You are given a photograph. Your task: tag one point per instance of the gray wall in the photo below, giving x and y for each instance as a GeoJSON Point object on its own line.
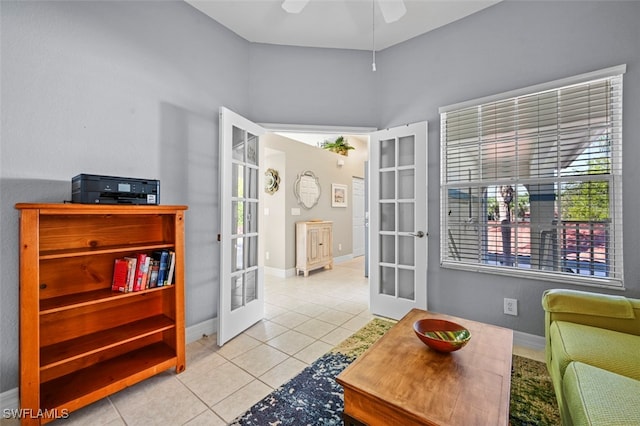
{"type": "Point", "coordinates": [504, 47]}
{"type": "Point", "coordinates": [296, 85]}
{"type": "Point", "coordinates": [116, 88]}
{"type": "Point", "coordinates": [133, 89]}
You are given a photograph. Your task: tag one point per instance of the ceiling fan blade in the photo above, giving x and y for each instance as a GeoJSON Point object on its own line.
{"type": "Point", "coordinates": [294, 6]}
{"type": "Point", "coordinates": [392, 10]}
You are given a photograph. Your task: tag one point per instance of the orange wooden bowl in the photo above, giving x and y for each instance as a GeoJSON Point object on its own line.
{"type": "Point", "coordinates": [441, 335]}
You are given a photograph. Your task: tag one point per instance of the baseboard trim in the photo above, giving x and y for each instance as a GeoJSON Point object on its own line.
{"type": "Point", "coordinates": [288, 273]}
{"type": "Point", "coordinates": [10, 400]}
{"type": "Point", "coordinates": [197, 331]}
{"type": "Point", "coordinates": [344, 258]}
{"type": "Point", "coordinates": [279, 273]}
{"type": "Point", "coordinates": [530, 341]}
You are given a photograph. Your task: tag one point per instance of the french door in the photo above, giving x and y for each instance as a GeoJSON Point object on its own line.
{"type": "Point", "coordinates": [398, 220]}
{"type": "Point", "coordinates": [241, 298]}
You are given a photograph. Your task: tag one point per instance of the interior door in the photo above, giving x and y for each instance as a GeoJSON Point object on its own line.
{"type": "Point", "coordinates": [398, 220]}
{"type": "Point", "coordinates": [241, 299]}
{"type": "Point", "coordinates": [357, 191]}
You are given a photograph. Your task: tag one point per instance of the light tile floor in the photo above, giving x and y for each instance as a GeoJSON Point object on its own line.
{"type": "Point", "coordinates": [305, 317]}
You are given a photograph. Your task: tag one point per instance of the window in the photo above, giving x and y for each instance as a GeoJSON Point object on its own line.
{"type": "Point", "coordinates": [531, 181]}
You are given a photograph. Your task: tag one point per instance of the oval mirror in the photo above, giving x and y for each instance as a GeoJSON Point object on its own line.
{"type": "Point", "coordinates": [307, 189]}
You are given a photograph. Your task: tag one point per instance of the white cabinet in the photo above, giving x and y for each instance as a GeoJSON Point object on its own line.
{"type": "Point", "coordinates": [314, 246]}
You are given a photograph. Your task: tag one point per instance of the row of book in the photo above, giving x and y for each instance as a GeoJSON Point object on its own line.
{"type": "Point", "coordinates": [142, 271]}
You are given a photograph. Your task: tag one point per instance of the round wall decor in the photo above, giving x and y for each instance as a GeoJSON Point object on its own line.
{"type": "Point", "coordinates": [271, 181]}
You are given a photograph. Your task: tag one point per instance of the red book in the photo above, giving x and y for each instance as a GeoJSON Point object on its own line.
{"type": "Point", "coordinates": [141, 273]}
{"type": "Point", "coordinates": [133, 271]}
{"type": "Point", "coordinates": [120, 275]}
{"type": "Point", "coordinates": [145, 273]}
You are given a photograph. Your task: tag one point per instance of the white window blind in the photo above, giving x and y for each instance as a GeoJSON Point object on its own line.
{"type": "Point", "coordinates": [531, 184]}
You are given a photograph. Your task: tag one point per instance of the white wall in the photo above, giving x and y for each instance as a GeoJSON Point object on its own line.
{"type": "Point", "coordinates": [273, 224]}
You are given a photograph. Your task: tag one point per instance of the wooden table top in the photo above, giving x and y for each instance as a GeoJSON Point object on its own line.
{"type": "Point", "coordinates": [399, 380]}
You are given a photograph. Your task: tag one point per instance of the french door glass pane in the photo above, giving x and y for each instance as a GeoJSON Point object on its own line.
{"type": "Point", "coordinates": [237, 217]}
{"type": "Point", "coordinates": [406, 181]}
{"type": "Point", "coordinates": [238, 143]}
{"type": "Point", "coordinates": [387, 249]}
{"type": "Point", "coordinates": [251, 287]}
{"type": "Point", "coordinates": [237, 185]}
{"type": "Point", "coordinates": [406, 151]}
{"type": "Point", "coordinates": [252, 149]}
{"type": "Point", "coordinates": [406, 219]}
{"type": "Point", "coordinates": [252, 182]}
{"type": "Point", "coordinates": [388, 217]}
{"type": "Point", "coordinates": [406, 251]}
{"type": "Point", "coordinates": [406, 288]}
{"type": "Point", "coordinates": [388, 185]}
{"type": "Point", "coordinates": [252, 217]}
{"type": "Point", "coordinates": [387, 281]}
{"type": "Point", "coordinates": [387, 153]}
{"type": "Point", "coordinates": [237, 254]}
{"type": "Point", "coordinates": [251, 250]}
{"type": "Point", "coordinates": [237, 292]}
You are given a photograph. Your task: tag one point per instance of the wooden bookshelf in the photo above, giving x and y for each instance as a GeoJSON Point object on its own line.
{"type": "Point", "coordinates": [79, 340]}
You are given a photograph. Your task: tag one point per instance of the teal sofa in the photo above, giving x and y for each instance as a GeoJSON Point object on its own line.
{"type": "Point", "coordinates": [593, 356]}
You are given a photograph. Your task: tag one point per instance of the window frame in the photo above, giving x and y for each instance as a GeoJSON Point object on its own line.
{"type": "Point", "coordinates": [614, 177]}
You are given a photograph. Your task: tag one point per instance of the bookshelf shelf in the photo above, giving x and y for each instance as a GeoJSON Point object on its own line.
{"type": "Point", "coordinates": [90, 384]}
{"type": "Point", "coordinates": [73, 349]}
{"type": "Point", "coordinates": [92, 251]}
{"type": "Point", "coordinates": [94, 297]}
{"type": "Point", "coordinates": [79, 340]}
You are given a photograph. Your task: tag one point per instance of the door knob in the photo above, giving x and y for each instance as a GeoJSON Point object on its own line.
{"type": "Point", "coordinates": [418, 234]}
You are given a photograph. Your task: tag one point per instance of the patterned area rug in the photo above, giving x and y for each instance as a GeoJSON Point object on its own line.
{"type": "Point", "coordinates": [314, 398]}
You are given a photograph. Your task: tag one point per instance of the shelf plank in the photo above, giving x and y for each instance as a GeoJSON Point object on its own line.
{"type": "Point", "coordinates": [77, 208]}
{"type": "Point", "coordinates": [90, 384]}
{"type": "Point", "coordinates": [89, 251]}
{"type": "Point", "coordinates": [72, 301]}
{"type": "Point", "coordinates": [70, 350]}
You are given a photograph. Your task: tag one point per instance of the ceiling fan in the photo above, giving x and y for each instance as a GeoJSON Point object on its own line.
{"type": "Point", "coordinates": [392, 10]}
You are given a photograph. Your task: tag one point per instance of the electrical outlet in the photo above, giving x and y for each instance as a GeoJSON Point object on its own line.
{"type": "Point", "coordinates": [339, 247]}
{"type": "Point", "coordinates": [266, 255]}
{"type": "Point", "coordinates": [511, 306]}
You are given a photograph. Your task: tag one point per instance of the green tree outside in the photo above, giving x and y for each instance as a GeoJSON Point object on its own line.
{"type": "Point", "coordinates": [588, 200]}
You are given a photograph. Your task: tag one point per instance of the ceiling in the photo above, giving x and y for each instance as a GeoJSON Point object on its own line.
{"type": "Point", "coordinates": [344, 24]}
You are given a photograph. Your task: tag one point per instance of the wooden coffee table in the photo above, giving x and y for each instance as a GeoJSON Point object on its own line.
{"type": "Point", "coordinates": [400, 381]}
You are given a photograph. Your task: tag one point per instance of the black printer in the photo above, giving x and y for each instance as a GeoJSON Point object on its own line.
{"type": "Point", "coordinates": [96, 189]}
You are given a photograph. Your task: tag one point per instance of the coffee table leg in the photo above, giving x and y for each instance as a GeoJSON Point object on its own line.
{"type": "Point", "coordinates": [350, 421]}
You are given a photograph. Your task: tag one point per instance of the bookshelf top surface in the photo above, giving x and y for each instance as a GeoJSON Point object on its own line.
{"type": "Point", "coordinates": [99, 208]}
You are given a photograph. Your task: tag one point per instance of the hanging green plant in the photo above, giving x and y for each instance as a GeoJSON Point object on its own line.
{"type": "Point", "coordinates": [339, 146]}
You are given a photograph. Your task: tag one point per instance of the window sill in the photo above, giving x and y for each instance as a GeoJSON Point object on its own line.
{"type": "Point", "coordinates": [551, 276]}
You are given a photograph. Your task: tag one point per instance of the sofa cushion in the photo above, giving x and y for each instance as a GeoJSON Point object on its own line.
{"type": "Point", "coordinates": [598, 397]}
{"type": "Point", "coordinates": [606, 349]}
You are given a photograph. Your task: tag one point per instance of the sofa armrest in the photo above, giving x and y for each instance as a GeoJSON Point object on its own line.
{"type": "Point", "coordinates": [585, 303]}
{"type": "Point", "coordinates": [610, 312]}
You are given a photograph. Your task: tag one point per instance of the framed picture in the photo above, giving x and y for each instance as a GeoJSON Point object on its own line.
{"type": "Point", "coordinates": [338, 195]}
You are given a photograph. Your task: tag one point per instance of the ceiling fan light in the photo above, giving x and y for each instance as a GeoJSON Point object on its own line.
{"type": "Point", "coordinates": [392, 10]}
{"type": "Point", "coordinates": [294, 6]}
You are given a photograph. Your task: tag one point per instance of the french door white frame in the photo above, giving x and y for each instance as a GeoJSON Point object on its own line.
{"type": "Point", "coordinates": [241, 297]}
{"type": "Point", "coordinates": [398, 220]}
